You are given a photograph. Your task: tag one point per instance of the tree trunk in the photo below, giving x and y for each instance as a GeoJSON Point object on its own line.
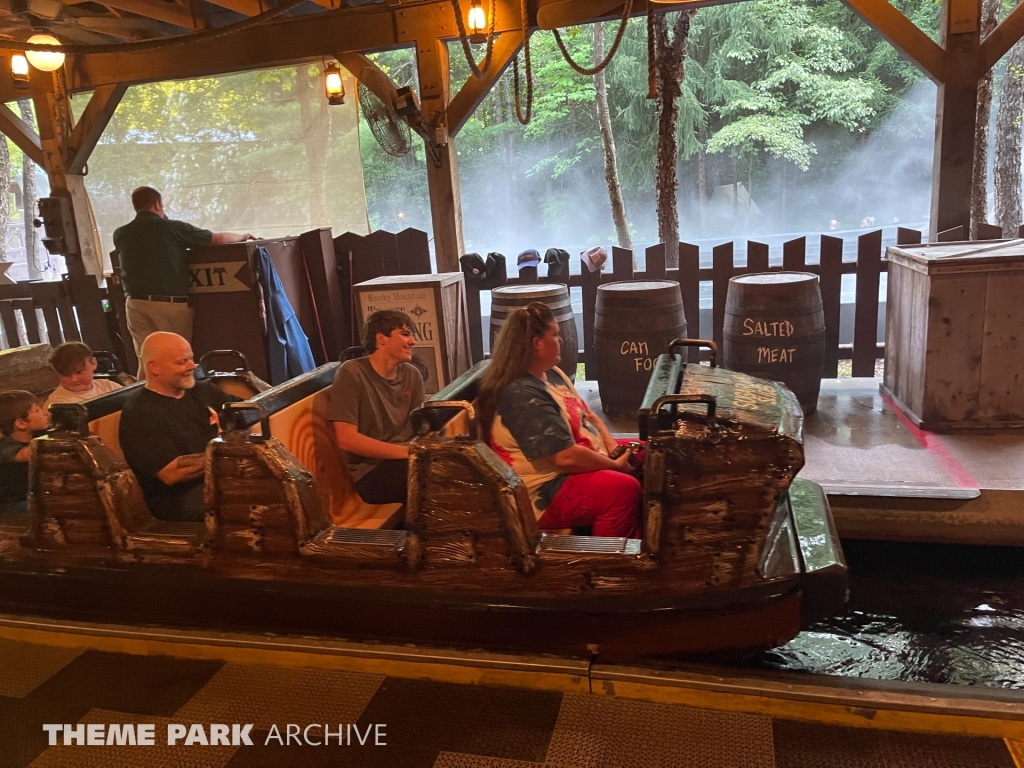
{"type": "Point", "coordinates": [669, 58]}
{"type": "Point", "coordinates": [28, 189]}
{"type": "Point", "coordinates": [979, 182]}
{"type": "Point", "coordinates": [313, 111]}
{"type": "Point", "coordinates": [702, 180]}
{"type": "Point", "coordinates": [611, 166]}
{"type": "Point", "coordinates": [1006, 168]}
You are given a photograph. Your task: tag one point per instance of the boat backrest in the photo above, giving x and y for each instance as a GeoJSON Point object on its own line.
{"type": "Point", "coordinates": [466, 505]}
{"type": "Point", "coordinates": [262, 500]}
{"type": "Point", "coordinates": [82, 494]}
{"type": "Point", "coordinates": [722, 450]}
{"type": "Point", "coordinates": [262, 492]}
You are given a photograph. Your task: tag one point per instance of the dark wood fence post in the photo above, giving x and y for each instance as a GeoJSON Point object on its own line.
{"type": "Point", "coordinates": [689, 282]}
{"type": "Point", "coordinates": [589, 283]}
{"type": "Point", "coordinates": [794, 255]}
{"type": "Point", "coordinates": [831, 284]}
{"type": "Point", "coordinates": [989, 232]}
{"type": "Point", "coordinates": [722, 269]}
{"type": "Point", "coordinates": [757, 257]}
{"type": "Point", "coordinates": [476, 339]}
{"type": "Point", "coordinates": [655, 258]}
{"type": "Point", "coordinates": [865, 328]}
{"type": "Point", "coordinates": [906, 236]}
{"type": "Point", "coordinates": [622, 264]}
{"type": "Point", "coordinates": [413, 252]}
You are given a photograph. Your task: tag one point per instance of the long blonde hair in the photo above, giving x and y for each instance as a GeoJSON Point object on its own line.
{"type": "Point", "coordinates": [511, 358]}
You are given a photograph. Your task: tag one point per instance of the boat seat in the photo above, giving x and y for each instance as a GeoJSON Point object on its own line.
{"type": "Point", "coordinates": [167, 537]}
{"type": "Point", "coordinates": [466, 505]}
{"type": "Point", "coordinates": [381, 545]}
{"type": "Point", "coordinates": [324, 458]}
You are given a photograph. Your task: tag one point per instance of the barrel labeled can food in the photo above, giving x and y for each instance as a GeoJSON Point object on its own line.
{"type": "Point", "coordinates": [556, 296]}
{"type": "Point", "coordinates": [775, 329]}
{"type": "Point", "coordinates": [634, 322]}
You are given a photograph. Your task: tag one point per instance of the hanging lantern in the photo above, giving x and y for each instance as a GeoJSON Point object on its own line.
{"type": "Point", "coordinates": [45, 61]}
{"type": "Point", "coordinates": [334, 86]}
{"type": "Point", "coordinates": [19, 70]}
{"type": "Point", "coordinates": [477, 22]}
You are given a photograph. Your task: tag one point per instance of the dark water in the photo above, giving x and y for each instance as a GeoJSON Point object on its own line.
{"type": "Point", "coordinates": [921, 613]}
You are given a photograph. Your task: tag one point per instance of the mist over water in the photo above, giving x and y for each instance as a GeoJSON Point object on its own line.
{"type": "Point", "coordinates": [510, 201]}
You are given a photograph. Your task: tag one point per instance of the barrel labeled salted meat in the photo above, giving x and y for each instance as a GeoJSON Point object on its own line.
{"type": "Point", "coordinates": [775, 329]}
{"type": "Point", "coordinates": [634, 322]}
{"type": "Point", "coordinates": [556, 296]}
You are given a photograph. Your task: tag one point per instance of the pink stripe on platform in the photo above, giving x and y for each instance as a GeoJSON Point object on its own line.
{"type": "Point", "coordinates": [947, 462]}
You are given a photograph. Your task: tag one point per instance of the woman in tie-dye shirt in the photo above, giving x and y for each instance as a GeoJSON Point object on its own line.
{"type": "Point", "coordinates": [534, 419]}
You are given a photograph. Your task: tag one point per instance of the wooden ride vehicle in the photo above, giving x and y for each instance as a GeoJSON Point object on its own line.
{"type": "Point", "coordinates": [735, 555]}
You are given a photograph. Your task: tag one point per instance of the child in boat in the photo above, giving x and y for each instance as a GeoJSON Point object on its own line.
{"type": "Point", "coordinates": [75, 365]}
{"type": "Point", "coordinates": [21, 418]}
{"type": "Point", "coordinates": [535, 420]}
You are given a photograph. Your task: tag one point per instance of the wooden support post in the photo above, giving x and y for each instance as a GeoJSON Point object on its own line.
{"type": "Point", "coordinates": [53, 114]}
{"type": "Point", "coordinates": [956, 116]}
{"type": "Point", "coordinates": [443, 179]}
{"type": "Point", "coordinates": [94, 120]}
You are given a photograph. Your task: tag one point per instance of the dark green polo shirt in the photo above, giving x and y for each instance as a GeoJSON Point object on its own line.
{"type": "Point", "coordinates": [152, 253]}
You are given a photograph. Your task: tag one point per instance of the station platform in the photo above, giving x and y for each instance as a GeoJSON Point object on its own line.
{"type": "Point", "coordinates": [887, 479]}
{"type": "Point", "coordinates": [452, 709]}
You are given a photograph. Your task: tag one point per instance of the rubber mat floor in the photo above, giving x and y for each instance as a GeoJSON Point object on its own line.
{"type": "Point", "coordinates": [402, 723]}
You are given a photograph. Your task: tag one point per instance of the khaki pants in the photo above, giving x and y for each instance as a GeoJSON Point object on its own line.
{"type": "Point", "coordinates": [146, 317]}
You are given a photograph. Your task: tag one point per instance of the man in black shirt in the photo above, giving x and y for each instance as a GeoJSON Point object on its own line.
{"type": "Point", "coordinates": [154, 268]}
{"type": "Point", "coordinates": [165, 428]}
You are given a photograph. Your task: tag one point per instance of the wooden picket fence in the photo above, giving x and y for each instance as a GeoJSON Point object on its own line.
{"type": "Point", "coordinates": [830, 268]}
{"type": "Point", "coordinates": [52, 313]}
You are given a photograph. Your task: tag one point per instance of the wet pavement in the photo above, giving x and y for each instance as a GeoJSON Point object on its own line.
{"type": "Point", "coordinates": [921, 613]}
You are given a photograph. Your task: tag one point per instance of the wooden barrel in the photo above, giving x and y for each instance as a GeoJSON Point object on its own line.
{"type": "Point", "coordinates": [556, 296]}
{"type": "Point", "coordinates": [634, 322]}
{"type": "Point", "coordinates": [775, 329]}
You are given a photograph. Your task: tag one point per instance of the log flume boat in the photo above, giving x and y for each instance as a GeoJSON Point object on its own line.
{"type": "Point", "coordinates": [737, 554]}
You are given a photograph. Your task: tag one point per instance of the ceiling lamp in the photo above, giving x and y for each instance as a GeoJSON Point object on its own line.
{"type": "Point", "coordinates": [45, 60]}
{"type": "Point", "coordinates": [19, 70]}
{"type": "Point", "coordinates": [334, 86]}
{"type": "Point", "coordinates": [477, 22]}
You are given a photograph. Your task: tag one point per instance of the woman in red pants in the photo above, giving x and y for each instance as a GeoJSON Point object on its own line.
{"type": "Point", "coordinates": [533, 418]}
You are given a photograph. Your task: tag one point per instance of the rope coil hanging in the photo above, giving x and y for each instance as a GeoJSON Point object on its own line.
{"type": "Point", "coordinates": [479, 72]}
{"type": "Point", "coordinates": [529, 72]}
{"type": "Point", "coordinates": [590, 71]}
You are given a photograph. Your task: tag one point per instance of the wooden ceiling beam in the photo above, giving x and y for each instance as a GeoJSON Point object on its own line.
{"type": "Point", "coordinates": [90, 126]}
{"type": "Point", "coordinates": [157, 9]}
{"type": "Point", "coordinates": [380, 86]}
{"type": "Point", "coordinates": [21, 133]}
{"type": "Point", "coordinates": [1002, 39]}
{"type": "Point", "coordinates": [465, 102]}
{"type": "Point", "coordinates": [903, 35]}
{"type": "Point", "coordinates": [244, 7]}
{"type": "Point", "coordinates": [281, 43]}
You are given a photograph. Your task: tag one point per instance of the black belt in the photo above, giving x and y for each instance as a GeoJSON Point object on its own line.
{"type": "Point", "coordinates": [169, 299]}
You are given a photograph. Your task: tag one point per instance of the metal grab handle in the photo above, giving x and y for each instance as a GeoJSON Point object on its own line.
{"type": "Point", "coordinates": [708, 400]}
{"type": "Point", "coordinates": [422, 423]}
{"type": "Point", "coordinates": [696, 343]}
{"type": "Point", "coordinates": [246, 406]}
{"type": "Point", "coordinates": [223, 353]}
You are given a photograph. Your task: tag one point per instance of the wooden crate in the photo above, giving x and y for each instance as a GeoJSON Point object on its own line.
{"type": "Point", "coordinates": [955, 334]}
{"type": "Point", "coordinates": [437, 306]}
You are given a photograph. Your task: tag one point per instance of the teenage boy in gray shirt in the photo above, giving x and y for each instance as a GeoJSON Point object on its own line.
{"type": "Point", "coordinates": [371, 401]}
